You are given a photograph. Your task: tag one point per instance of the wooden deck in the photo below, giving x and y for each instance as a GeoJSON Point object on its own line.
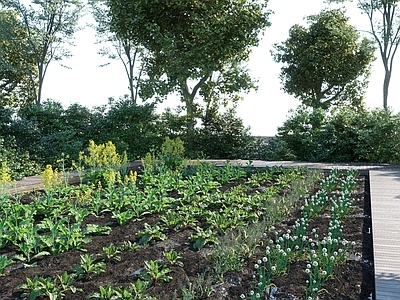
{"type": "Point", "coordinates": [385, 205]}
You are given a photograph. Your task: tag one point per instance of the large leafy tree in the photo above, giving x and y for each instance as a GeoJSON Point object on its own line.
{"type": "Point", "coordinates": [327, 63]}
{"type": "Point", "coordinates": [122, 47]}
{"type": "Point", "coordinates": [50, 26]}
{"type": "Point", "coordinates": [16, 61]}
{"type": "Point", "coordinates": [384, 19]}
{"type": "Point", "coordinates": [192, 43]}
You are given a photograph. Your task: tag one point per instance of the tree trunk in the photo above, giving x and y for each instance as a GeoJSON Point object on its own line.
{"type": "Point", "coordinates": [386, 82]}
{"type": "Point", "coordinates": [38, 99]}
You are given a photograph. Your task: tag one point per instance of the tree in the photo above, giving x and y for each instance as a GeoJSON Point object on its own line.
{"type": "Point", "coordinates": [125, 49]}
{"type": "Point", "coordinates": [326, 63]}
{"type": "Point", "coordinates": [16, 62]}
{"type": "Point", "coordinates": [50, 24]}
{"type": "Point", "coordinates": [191, 42]}
{"type": "Point", "coordinates": [384, 19]}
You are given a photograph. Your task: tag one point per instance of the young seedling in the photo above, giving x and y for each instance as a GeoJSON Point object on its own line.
{"type": "Point", "coordinates": [111, 253]}
{"type": "Point", "coordinates": [151, 233]}
{"type": "Point", "coordinates": [89, 267]}
{"type": "Point", "coordinates": [173, 257]}
{"type": "Point", "coordinates": [155, 272]}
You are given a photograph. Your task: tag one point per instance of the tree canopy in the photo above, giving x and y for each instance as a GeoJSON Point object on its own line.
{"type": "Point", "coordinates": [384, 19]}
{"type": "Point", "coordinates": [50, 25]}
{"type": "Point", "coordinates": [16, 62]}
{"type": "Point", "coordinates": [327, 63]}
{"type": "Point", "coordinates": [189, 43]}
{"type": "Point", "coordinates": [122, 47]}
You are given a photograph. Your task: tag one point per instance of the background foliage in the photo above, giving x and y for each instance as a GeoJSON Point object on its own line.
{"type": "Point", "coordinates": [338, 135]}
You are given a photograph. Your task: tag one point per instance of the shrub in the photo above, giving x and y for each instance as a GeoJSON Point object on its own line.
{"type": "Point", "coordinates": [340, 135]}
{"type": "Point", "coordinates": [220, 135]}
{"type": "Point", "coordinates": [131, 127]}
{"type": "Point", "coordinates": [17, 161]}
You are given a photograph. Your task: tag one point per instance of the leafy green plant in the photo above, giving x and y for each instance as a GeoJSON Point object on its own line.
{"type": "Point", "coordinates": [202, 237]}
{"type": "Point", "coordinates": [137, 291]}
{"type": "Point", "coordinates": [4, 263]}
{"type": "Point", "coordinates": [172, 154]}
{"type": "Point", "coordinates": [128, 246]}
{"type": "Point", "coordinates": [151, 233]}
{"type": "Point", "coordinates": [173, 257]}
{"type": "Point", "coordinates": [89, 266]}
{"type": "Point", "coordinates": [155, 272]}
{"type": "Point", "coordinates": [30, 244]}
{"type": "Point", "coordinates": [123, 217]}
{"type": "Point", "coordinates": [111, 253]}
{"type": "Point", "coordinates": [52, 288]}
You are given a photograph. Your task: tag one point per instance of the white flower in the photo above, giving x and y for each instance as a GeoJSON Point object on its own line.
{"type": "Point", "coordinates": [315, 263]}
{"type": "Point", "coordinates": [242, 296]}
{"type": "Point", "coordinates": [264, 259]}
{"type": "Point", "coordinates": [256, 266]}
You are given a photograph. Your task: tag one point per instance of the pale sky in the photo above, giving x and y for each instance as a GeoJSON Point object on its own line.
{"type": "Point", "coordinates": [264, 111]}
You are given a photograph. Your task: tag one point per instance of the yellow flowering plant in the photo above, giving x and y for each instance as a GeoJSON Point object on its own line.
{"type": "Point", "coordinates": [50, 178]}
{"type": "Point", "coordinates": [104, 163]}
{"type": "Point", "coordinates": [5, 174]}
{"type": "Point", "coordinates": [5, 178]}
{"type": "Point", "coordinates": [172, 154]}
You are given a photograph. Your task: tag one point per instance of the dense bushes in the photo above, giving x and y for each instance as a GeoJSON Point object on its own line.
{"type": "Point", "coordinates": [220, 135]}
{"type": "Point", "coordinates": [37, 135]}
{"type": "Point", "coordinates": [46, 133]}
{"type": "Point", "coordinates": [339, 135]}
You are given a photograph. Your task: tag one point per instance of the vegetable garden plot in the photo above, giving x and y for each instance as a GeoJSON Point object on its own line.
{"type": "Point", "coordinates": [192, 234]}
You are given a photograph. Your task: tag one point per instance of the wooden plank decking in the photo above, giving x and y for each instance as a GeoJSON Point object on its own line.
{"type": "Point", "coordinates": [385, 205]}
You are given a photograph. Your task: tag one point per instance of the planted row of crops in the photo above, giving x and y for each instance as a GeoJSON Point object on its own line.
{"type": "Point", "coordinates": [208, 200]}
{"type": "Point", "coordinates": [321, 252]}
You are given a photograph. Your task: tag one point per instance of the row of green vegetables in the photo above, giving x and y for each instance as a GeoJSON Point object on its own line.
{"type": "Point", "coordinates": [192, 197]}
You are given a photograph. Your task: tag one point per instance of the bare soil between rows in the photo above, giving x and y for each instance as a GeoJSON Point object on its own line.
{"type": "Point", "coordinates": [353, 280]}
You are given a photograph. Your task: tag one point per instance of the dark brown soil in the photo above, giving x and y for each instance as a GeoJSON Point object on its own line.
{"type": "Point", "coordinates": [353, 280]}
